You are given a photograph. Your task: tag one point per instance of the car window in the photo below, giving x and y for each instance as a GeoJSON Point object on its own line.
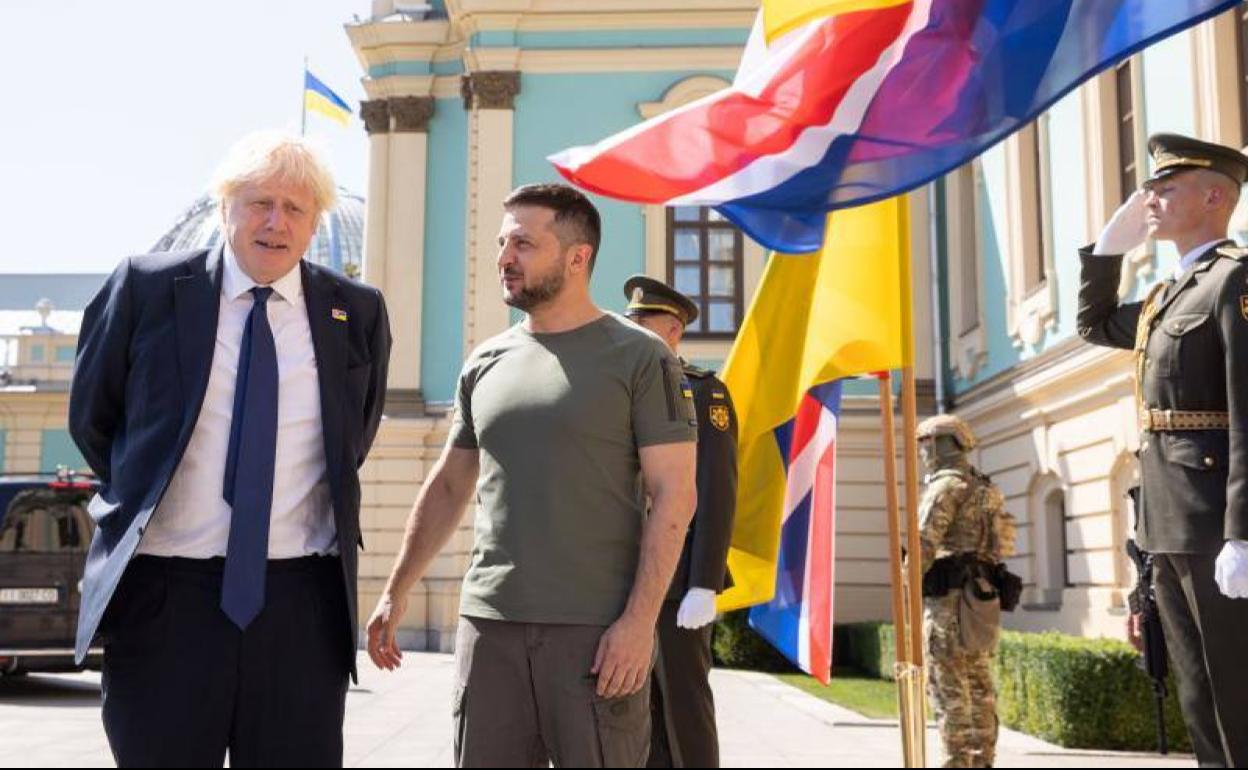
{"type": "Point", "coordinates": [39, 522]}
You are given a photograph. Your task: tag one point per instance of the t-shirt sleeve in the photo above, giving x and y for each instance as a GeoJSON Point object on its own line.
{"type": "Point", "coordinates": [463, 433]}
{"type": "Point", "coordinates": [663, 410]}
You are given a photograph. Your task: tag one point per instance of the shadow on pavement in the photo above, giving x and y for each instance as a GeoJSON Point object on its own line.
{"type": "Point", "coordinates": [46, 690]}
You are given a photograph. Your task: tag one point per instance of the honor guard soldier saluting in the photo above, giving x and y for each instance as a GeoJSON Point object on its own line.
{"type": "Point", "coordinates": [1190, 337]}
{"type": "Point", "coordinates": [682, 697]}
{"type": "Point", "coordinates": [965, 534]}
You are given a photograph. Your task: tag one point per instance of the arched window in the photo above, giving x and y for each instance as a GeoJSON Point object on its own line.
{"type": "Point", "coordinates": [1058, 550]}
{"type": "Point", "coordinates": [1051, 551]}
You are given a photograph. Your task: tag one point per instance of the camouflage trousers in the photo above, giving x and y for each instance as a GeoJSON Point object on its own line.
{"type": "Point", "coordinates": [960, 688]}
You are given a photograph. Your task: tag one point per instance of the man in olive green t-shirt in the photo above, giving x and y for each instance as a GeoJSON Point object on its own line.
{"type": "Point", "coordinates": [564, 425]}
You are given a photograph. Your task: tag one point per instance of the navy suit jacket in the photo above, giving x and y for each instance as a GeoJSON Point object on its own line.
{"type": "Point", "coordinates": [144, 355]}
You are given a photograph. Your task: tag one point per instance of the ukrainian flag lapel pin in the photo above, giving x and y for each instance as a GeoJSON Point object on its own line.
{"type": "Point", "coordinates": [338, 314]}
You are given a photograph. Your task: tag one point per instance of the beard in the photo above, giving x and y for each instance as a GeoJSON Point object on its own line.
{"type": "Point", "coordinates": [543, 289]}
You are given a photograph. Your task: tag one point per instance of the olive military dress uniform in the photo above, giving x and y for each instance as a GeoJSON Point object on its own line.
{"type": "Point", "coordinates": [681, 697]}
{"type": "Point", "coordinates": [1190, 339]}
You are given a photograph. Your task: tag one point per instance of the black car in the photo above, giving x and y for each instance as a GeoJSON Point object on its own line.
{"type": "Point", "coordinates": [44, 534]}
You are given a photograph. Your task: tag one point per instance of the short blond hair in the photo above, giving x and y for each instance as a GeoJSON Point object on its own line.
{"type": "Point", "coordinates": [275, 155]}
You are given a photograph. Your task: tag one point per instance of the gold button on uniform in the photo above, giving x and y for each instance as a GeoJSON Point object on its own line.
{"type": "Point", "coordinates": [1208, 462]}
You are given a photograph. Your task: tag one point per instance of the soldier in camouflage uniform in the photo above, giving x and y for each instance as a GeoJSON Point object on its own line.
{"type": "Point", "coordinates": [964, 531]}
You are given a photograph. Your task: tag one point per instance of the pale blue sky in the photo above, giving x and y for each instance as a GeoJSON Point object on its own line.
{"type": "Point", "coordinates": [115, 113]}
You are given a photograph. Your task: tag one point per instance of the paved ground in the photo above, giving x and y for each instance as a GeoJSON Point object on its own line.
{"type": "Point", "coordinates": [403, 720]}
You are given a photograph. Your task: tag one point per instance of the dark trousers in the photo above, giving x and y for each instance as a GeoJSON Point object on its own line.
{"type": "Point", "coordinates": [681, 699]}
{"type": "Point", "coordinates": [183, 685]}
{"type": "Point", "coordinates": [1207, 637]}
{"type": "Point", "coordinates": [525, 697]}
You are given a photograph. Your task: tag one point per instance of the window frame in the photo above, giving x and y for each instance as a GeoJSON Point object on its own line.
{"type": "Point", "coordinates": [704, 226]}
{"type": "Point", "coordinates": [1031, 309]}
{"type": "Point", "coordinates": [964, 251]}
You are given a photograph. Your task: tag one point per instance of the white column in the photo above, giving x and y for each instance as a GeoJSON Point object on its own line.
{"type": "Point", "coordinates": [491, 97]}
{"type": "Point", "coordinates": [376, 114]}
{"type": "Point", "coordinates": [405, 246]}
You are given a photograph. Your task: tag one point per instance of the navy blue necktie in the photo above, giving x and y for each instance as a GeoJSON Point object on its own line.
{"type": "Point", "coordinates": [249, 466]}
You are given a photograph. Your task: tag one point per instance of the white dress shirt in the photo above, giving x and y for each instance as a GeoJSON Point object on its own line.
{"type": "Point", "coordinates": [1189, 259]}
{"type": "Point", "coordinates": [193, 519]}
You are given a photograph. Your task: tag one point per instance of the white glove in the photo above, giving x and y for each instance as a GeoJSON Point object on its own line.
{"type": "Point", "coordinates": [1231, 569]}
{"type": "Point", "coordinates": [1127, 228]}
{"type": "Point", "coordinates": [696, 609]}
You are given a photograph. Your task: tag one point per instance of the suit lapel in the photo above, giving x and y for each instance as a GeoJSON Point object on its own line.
{"type": "Point", "coordinates": [1202, 265]}
{"type": "Point", "coordinates": [329, 341]}
{"type": "Point", "coordinates": [197, 305]}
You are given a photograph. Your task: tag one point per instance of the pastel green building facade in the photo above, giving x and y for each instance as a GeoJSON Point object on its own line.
{"type": "Point", "coordinates": [466, 102]}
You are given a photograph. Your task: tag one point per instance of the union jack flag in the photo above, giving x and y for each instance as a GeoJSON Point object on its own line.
{"type": "Point", "coordinates": [798, 621]}
{"type": "Point", "coordinates": [867, 104]}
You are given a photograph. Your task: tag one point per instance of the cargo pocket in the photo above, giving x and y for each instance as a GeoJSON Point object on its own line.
{"type": "Point", "coordinates": [624, 729]}
{"type": "Point", "coordinates": [1183, 342]}
{"type": "Point", "coordinates": [979, 616]}
{"type": "Point", "coordinates": [1202, 451]}
{"type": "Point", "coordinates": [1198, 462]}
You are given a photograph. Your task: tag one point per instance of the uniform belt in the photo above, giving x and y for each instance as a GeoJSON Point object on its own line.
{"type": "Point", "coordinates": [1173, 419]}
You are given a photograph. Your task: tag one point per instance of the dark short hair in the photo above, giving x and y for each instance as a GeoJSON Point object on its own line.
{"type": "Point", "coordinates": [576, 218]}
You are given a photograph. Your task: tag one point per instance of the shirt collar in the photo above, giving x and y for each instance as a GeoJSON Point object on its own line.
{"type": "Point", "coordinates": [235, 283]}
{"type": "Point", "coordinates": [1189, 259]}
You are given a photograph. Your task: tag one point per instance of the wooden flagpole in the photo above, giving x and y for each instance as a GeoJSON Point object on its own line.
{"type": "Point", "coordinates": [902, 639]}
{"type": "Point", "coordinates": [916, 673]}
{"type": "Point", "coordinates": [914, 565]}
{"type": "Point", "coordinates": [907, 578]}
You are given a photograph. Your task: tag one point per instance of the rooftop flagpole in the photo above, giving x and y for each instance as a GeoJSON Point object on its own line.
{"type": "Point", "coordinates": [303, 100]}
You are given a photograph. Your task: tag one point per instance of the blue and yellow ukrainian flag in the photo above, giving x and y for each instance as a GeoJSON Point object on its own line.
{"type": "Point", "coordinates": [318, 97]}
{"type": "Point", "coordinates": [841, 312]}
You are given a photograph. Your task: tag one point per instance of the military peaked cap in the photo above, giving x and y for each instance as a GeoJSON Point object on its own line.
{"type": "Point", "coordinates": [649, 295]}
{"type": "Point", "coordinates": [1173, 153]}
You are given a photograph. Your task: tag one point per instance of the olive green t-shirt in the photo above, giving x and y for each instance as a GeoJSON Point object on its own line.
{"type": "Point", "coordinates": [558, 420]}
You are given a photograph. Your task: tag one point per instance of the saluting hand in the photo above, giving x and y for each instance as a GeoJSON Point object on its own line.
{"type": "Point", "coordinates": [382, 627]}
{"type": "Point", "coordinates": [1127, 228]}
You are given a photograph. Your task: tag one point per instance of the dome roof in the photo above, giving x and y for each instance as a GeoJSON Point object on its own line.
{"type": "Point", "coordinates": [338, 243]}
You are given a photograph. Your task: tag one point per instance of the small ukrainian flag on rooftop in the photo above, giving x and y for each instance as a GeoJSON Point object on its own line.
{"type": "Point", "coordinates": [318, 97]}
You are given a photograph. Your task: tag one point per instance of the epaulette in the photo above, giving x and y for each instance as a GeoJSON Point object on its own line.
{"type": "Point", "coordinates": [1233, 252]}
{"type": "Point", "coordinates": [697, 372]}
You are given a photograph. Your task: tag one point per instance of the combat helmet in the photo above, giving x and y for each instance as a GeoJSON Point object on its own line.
{"type": "Point", "coordinates": [947, 425]}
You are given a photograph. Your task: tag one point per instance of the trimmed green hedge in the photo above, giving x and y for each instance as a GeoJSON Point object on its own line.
{"type": "Point", "coordinates": [868, 647]}
{"type": "Point", "coordinates": [736, 645]}
{"type": "Point", "coordinates": [1075, 692]}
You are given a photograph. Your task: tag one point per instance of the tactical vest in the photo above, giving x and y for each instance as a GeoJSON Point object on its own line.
{"type": "Point", "coordinates": [982, 526]}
